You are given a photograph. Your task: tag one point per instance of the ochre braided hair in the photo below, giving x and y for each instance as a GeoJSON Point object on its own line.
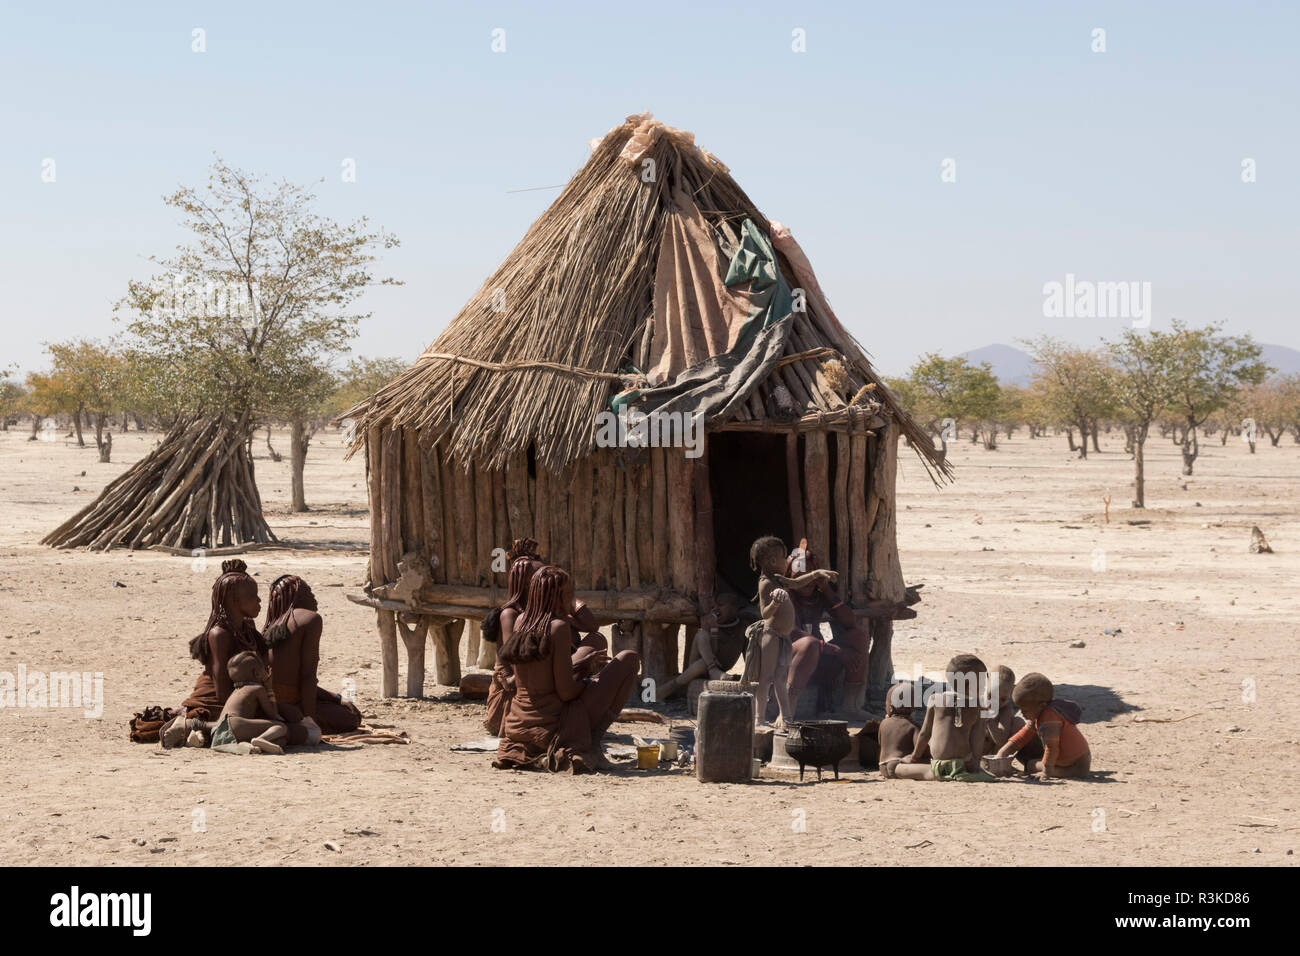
{"type": "Point", "coordinates": [224, 589]}
{"type": "Point", "coordinates": [531, 640]}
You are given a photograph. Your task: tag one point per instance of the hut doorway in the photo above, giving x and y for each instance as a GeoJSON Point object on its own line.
{"type": "Point", "coordinates": [747, 478]}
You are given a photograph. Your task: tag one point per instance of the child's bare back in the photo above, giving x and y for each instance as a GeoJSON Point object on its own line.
{"type": "Point", "coordinates": [897, 736]}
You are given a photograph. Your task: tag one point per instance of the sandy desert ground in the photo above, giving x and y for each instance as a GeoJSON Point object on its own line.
{"type": "Point", "coordinates": [1017, 562]}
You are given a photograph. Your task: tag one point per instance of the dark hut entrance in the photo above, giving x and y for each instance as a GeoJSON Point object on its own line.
{"type": "Point", "coordinates": [750, 499]}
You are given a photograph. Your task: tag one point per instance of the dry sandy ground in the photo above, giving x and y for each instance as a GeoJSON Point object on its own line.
{"type": "Point", "coordinates": [1012, 556]}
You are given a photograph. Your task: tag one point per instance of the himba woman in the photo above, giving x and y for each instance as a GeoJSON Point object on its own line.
{"type": "Point", "coordinates": [230, 629]}
{"type": "Point", "coordinates": [589, 654]}
{"type": "Point", "coordinates": [555, 721]}
{"type": "Point", "coordinates": [292, 633]}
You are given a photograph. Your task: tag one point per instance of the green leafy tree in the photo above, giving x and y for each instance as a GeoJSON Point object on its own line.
{"type": "Point", "coordinates": [1205, 370]}
{"type": "Point", "coordinates": [1072, 385]}
{"type": "Point", "coordinates": [1141, 392]}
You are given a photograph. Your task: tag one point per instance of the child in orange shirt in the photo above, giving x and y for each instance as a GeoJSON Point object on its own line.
{"type": "Point", "coordinates": [1065, 752]}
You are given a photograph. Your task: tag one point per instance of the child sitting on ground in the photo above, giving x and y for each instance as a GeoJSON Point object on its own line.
{"type": "Point", "coordinates": [897, 733]}
{"type": "Point", "coordinates": [250, 715]}
{"type": "Point", "coordinates": [1055, 722]}
{"type": "Point", "coordinates": [1006, 723]}
{"type": "Point", "coordinates": [953, 730]}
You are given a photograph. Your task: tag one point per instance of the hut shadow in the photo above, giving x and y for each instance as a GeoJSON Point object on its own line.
{"type": "Point", "coordinates": [1099, 704]}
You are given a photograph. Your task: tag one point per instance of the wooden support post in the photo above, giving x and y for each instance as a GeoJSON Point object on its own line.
{"type": "Point", "coordinates": [816, 495]}
{"type": "Point", "coordinates": [602, 521]}
{"type": "Point", "coordinates": [580, 507]}
{"type": "Point", "coordinates": [431, 490]}
{"type": "Point", "coordinates": [644, 523]}
{"type": "Point", "coordinates": [484, 510]}
{"type": "Point", "coordinates": [705, 558]}
{"type": "Point", "coordinates": [468, 564]}
{"type": "Point", "coordinates": [681, 522]}
{"type": "Point", "coordinates": [654, 653]}
{"type": "Point", "coordinates": [886, 571]}
{"type": "Point", "coordinates": [446, 651]}
{"type": "Point", "coordinates": [375, 574]}
{"type": "Point", "coordinates": [659, 516]}
{"type": "Point", "coordinates": [519, 503]}
{"type": "Point", "coordinates": [487, 655]}
{"type": "Point", "coordinates": [795, 495]}
{"type": "Point", "coordinates": [542, 516]}
{"type": "Point", "coordinates": [672, 648]}
{"type": "Point", "coordinates": [621, 575]}
{"type": "Point", "coordinates": [453, 537]}
{"type": "Point", "coordinates": [859, 489]}
{"type": "Point", "coordinates": [631, 534]}
{"type": "Point", "coordinates": [627, 636]}
{"type": "Point", "coordinates": [501, 526]}
{"type": "Point", "coordinates": [473, 637]}
{"type": "Point", "coordinates": [843, 532]}
{"type": "Point", "coordinates": [880, 663]}
{"type": "Point", "coordinates": [388, 651]}
{"type": "Point", "coordinates": [390, 502]}
{"type": "Point", "coordinates": [561, 527]}
{"type": "Point", "coordinates": [412, 496]}
{"type": "Point", "coordinates": [414, 636]}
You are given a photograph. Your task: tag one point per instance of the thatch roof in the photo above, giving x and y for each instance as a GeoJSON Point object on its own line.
{"type": "Point", "coordinates": [536, 353]}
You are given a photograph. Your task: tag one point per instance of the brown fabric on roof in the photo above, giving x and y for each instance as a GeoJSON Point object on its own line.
{"type": "Point", "coordinates": [695, 315]}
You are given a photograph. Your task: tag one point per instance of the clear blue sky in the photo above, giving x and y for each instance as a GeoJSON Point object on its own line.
{"type": "Point", "coordinates": [1123, 165]}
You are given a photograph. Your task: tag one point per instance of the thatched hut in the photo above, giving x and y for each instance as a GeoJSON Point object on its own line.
{"type": "Point", "coordinates": [652, 284]}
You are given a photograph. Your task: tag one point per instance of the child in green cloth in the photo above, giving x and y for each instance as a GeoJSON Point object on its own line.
{"type": "Point", "coordinates": [250, 715]}
{"type": "Point", "coordinates": [953, 730]}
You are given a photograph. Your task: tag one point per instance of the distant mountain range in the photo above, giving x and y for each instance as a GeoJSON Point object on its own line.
{"type": "Point", "coordinates": [1015, 367]}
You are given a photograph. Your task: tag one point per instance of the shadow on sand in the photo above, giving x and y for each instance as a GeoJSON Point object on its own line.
{"type": "Point", "coordinates": [1099, 703]}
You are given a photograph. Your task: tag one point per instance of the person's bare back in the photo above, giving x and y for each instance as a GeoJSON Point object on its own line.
{"type": "Point", "coordinates": [897, 737]}
{"type": "Point", "coordinates": [954, 734]}
{"type": "Point", "coordinates": [250, 701]}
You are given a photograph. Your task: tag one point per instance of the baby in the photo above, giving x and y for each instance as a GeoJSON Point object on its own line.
{"type": "Point", "coordinates": [250, 714]}
{"type": "Point", "coordinates": [1065, 752]}
{"type": "Point", "coordinates": [897, 733]}
{"type": "Point", "coordinates": [953, 730]}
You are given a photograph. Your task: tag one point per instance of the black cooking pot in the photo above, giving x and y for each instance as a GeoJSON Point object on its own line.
{"type": "Point", "coordinates": [818, 743]}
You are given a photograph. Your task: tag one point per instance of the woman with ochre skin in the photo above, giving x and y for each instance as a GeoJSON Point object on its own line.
{"type": "Point", "coordinates": [292, 632]}
{"type": "Point", "coordinates": [556, 721]}
{"type": "Point", "coordinates": [230, 630]}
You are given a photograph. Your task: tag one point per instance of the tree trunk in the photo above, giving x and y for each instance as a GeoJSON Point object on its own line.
{"type": "Point", "coordinates": [1069, 434]}
{"type": "Point", "coordinates": [275, 455]}
{"type": "Point", "coordinates": [36, 426]}
{"type": "Point", "coordinates": [1083, 438]}
{"type": "Point", "coordinates": [1191, 448]}
{"type": "Point", "coordinates": [1095, 446]}
{"type": "Point", "coordinates": [299, 440]}
{"type": "Point", "coordinates": [106, 449]}
{"type": "Point", "coordinates": [76, 423]}
{"type": "Point", "coordinates": [1139, 470]}
{"type": "Point", "coordinates": [99, 431]}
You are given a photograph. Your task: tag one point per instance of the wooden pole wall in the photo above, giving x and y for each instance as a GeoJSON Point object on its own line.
{"type": "Point", "coordinates": [816, 495]}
